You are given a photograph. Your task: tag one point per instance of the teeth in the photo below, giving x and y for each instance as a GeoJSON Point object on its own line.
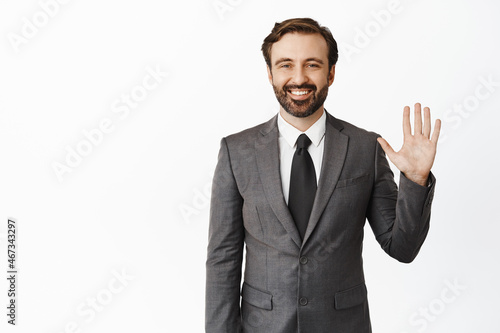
{"type": "Point", "coordinates": [299, 93]}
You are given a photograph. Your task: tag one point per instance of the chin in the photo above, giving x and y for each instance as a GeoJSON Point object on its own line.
{"type": "Point", "coordinates": [300, 114]}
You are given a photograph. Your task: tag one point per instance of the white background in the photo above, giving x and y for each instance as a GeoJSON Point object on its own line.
{"type": "Point", "coordinates": [137, 203]}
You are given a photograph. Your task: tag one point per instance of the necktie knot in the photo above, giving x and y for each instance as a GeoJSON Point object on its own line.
{"type": "Point", "coordinates": [303, 141]}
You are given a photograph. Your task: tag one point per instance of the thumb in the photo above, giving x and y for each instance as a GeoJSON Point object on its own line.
{"type": "Point", "coordinates": [386, 147]}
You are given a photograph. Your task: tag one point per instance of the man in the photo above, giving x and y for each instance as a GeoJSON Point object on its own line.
{"type": "Point", "coordinates": [297, 191]}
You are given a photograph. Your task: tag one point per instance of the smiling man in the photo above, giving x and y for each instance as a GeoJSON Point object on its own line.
{"type": "Point", "coordinates": [301, 83]}
{"type": "Point", "coordinates": [297, 191]}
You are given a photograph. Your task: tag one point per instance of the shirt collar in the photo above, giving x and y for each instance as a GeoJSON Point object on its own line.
{"type": "Point", "coordinates": [315, 133]}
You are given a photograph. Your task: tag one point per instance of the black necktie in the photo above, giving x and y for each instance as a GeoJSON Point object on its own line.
{"type": "Point", "coordinates": [302, 185]}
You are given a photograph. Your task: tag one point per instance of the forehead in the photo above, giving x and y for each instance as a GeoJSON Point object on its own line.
{"type": "Point", "coordinates": [300, 46]}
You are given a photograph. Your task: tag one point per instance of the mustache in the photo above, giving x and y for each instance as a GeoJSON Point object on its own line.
{"type": "Point", "coordinates": [302, 86]}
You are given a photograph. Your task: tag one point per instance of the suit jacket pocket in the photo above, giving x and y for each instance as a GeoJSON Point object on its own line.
{"type": "Point", "coordinates": [350, 297]}
{"type": "Point", "coordinates": [351, 181]}
{"type": "Point", "coordinates": [256, 297]}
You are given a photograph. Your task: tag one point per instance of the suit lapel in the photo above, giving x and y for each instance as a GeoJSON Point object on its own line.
{"type": "Point", "coordinates": [334, 154]}
{"type": "Point", "coordinates": [268, 161]}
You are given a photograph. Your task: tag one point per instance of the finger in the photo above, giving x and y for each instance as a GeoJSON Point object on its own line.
{"type": "Point", "coordinates": [386, 147]}
{"type": "Point", "coordinates": [427, 122]}
{"type": "Point", "coordinates": [418, 119]}
{"type": "Point", "coordinates": [437, 130]}
{"type": "Point", "coordinates": [406, 121]}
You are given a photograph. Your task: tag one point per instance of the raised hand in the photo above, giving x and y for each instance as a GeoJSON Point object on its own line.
{"type": "Point", "coordinates": [416, 156]}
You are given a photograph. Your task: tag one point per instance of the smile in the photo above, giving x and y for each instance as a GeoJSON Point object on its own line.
{"type": "Point", "coordinates": [299, 94]}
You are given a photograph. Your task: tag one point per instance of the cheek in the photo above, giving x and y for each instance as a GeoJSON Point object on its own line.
{"type": "Point", "coordinates": [280, 77]}
{"type": "Point", "coordinates": [321, 81]}
{"type": "Point", "coordinates": [276, 78]}
{"type": "Point", "coordinates": [277, 82]}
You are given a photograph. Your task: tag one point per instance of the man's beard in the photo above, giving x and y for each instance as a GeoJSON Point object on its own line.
{"type": "Point", "coordinates": [303, 108]}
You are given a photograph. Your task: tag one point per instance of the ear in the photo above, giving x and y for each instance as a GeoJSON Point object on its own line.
{"type": "Point", "coordinates": [331, 75]}
{"type": "Point", "coordinates": [269, 75]}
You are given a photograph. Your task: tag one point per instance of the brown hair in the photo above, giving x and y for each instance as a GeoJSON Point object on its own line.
{"type": "Point", "coordinates": [301, 25]}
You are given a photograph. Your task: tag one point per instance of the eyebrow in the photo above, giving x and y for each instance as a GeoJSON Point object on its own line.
{"type": "Point", "coordinates": [282, 60]}
{"type": "Point", "coordinates": [288, 59]}
{"type": "Point", "coordinates": [315, 59]}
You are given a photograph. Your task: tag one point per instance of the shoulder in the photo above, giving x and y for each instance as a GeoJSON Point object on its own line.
{"type": "Point", "coordinates": [249, 135]}
{"type": "Point", "coordinates": [352, 131]}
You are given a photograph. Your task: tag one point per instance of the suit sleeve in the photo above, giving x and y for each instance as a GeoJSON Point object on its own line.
{"type": "Point", "coordinates": [225, 250]}
{"type": "Point", "coordinates": [399, 219]}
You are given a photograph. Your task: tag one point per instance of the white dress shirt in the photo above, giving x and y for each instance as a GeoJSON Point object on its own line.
{"type": "Point", "coordinates": [287, 142]}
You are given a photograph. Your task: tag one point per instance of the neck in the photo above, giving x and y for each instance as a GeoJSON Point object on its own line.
{"type": "Point", "coordinates": [302, 124]}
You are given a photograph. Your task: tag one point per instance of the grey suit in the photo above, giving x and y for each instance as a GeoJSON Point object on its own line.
{"type": "Point", "coordinates": [315, 285]}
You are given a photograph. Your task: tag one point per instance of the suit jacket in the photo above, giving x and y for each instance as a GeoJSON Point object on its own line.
{"type": "Point", "coordinates": [317, 284]}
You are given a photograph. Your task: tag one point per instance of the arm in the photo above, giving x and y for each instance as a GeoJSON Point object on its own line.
{"type": "Point", "coordinates": [225, 250]}
{"type": "Point", "coordinates": [400, 220]}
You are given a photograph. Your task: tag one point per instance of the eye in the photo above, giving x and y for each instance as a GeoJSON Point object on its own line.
{"type": "Point", "coordinates": [285, 66]}
{"type": "Point", "coordinates": [313, 65]}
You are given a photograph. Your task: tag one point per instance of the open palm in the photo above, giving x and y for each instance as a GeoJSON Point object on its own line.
{"type": "Point", "coordinates": [416, 156]}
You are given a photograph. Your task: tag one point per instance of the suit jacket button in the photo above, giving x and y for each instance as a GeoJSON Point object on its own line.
{"type": "Point", "coordinates": [303, 301]}
{"type": "Point", "coordinates": [303, 260]}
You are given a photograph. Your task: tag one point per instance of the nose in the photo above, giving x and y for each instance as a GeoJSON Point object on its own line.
{"type": "Point", "coordinates": [299, 76]}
